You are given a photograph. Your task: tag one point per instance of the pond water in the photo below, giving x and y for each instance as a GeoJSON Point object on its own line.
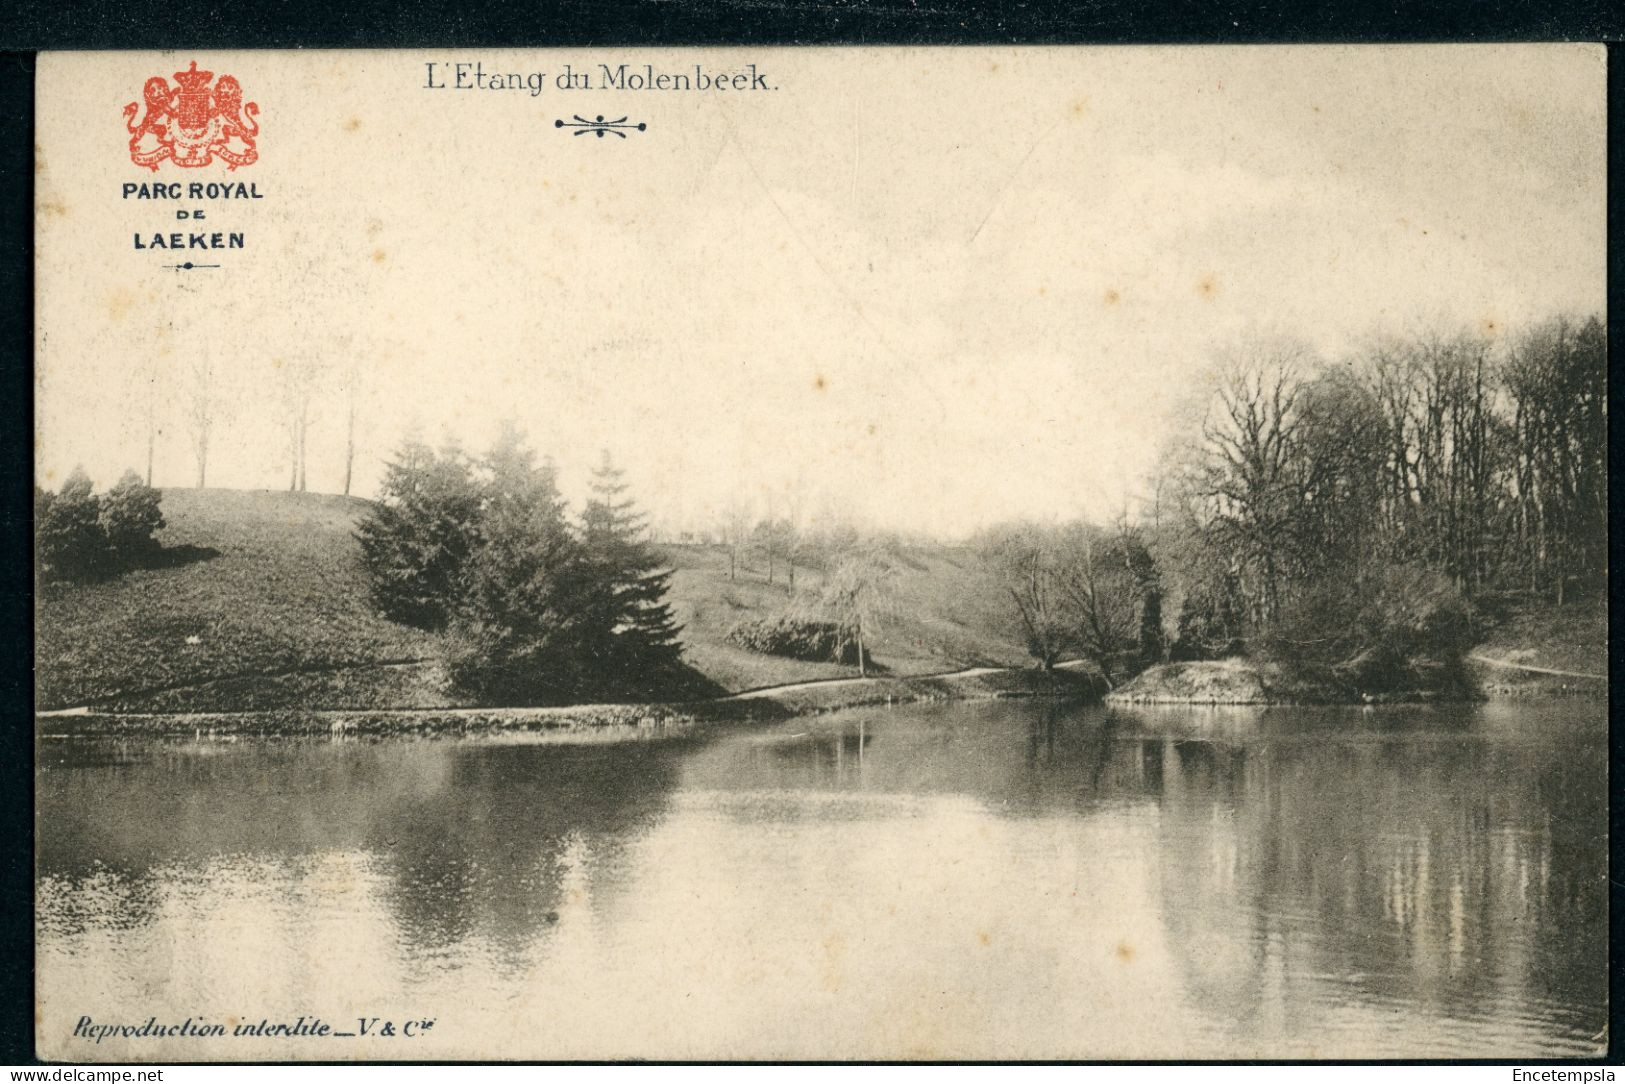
{"type": "Point", "coordinates": [966, 880]}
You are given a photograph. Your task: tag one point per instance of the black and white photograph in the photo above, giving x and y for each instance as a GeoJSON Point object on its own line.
{"type": "Point", "coordinates": [832, 554]}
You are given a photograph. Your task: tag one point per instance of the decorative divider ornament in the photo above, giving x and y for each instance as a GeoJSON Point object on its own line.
{"type": "Point", "coordinates": [600, 127]}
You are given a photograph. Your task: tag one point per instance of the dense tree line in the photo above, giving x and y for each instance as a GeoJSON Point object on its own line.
{"type": "Point", "coordinates": [1359, 514]}
{"type": "Point", "coordinates": [1331, 511]}
{"type": "Point", "coordinates": [538, 607]}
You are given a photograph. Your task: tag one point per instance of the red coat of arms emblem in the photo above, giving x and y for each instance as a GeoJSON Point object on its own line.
{"type": "Point", "coordinates": [193, 123]}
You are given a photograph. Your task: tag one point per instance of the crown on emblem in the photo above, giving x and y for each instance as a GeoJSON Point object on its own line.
{"type": "Point", "coordinates": [192, 79]}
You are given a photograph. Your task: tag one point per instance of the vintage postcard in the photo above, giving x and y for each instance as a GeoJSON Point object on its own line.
{"type": "Point", "coordinates": [1021, 553]}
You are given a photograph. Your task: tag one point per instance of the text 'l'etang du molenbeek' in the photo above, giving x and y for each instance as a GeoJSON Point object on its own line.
{"type": "Point", "coordinates": [477, 75]}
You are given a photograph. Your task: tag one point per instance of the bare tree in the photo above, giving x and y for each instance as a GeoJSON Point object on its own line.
{"type": "Point", "coordinates": [301, 380]}
{"type": "Point", "coordinates": [353, 391]}
{"type": "Point", "coordinates": [352, 394]}
{"type": "Point", "coordinates": [1098, 582]}
{"type": "Point", "coordinates": [1249, 446]}
{"type": "Point", "coordinates": [200, 413]}
{"type": "Point", "coordinates": [795, 498]}
{"type": "Point", "coordinates": [736, 529]}
{"type": "Point", "coordinates": [1028, 560]}
{"type": "Point", "coordinates": [1556, 377]}
{"type": "Point", "coordinates": [767, 537]}
{"type": "Point", "coordinates": [143, 377]}
{"type": "Point", "coordinates": [857, 595]}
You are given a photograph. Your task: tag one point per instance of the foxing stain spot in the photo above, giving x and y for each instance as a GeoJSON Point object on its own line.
{"type": "Point", "coordinates": [873, 428]}
{"type": "Point", "coordinates": [1113, 297]}
{"type": "Point", "coordinates": [819, 383]}
{"type": "Point", "coordinates": [1080, 107]}
{"type": "Point", "coordinates": [1125, 952]}
{"type": "Point", "coordinates": [984, 937]}
{"type": "Point", "coordinates": [120, 304]}
{"type": "Point", "coordinates": [1043, 290]}
{"type": "Point", "coordinates": [378, 255]}
{"type": "Point", "coordinates": [834, 953]}
{"type": "Point", "coordinates": [353, 124]}
{"type": "Point", "coordinates": [1208, 287]}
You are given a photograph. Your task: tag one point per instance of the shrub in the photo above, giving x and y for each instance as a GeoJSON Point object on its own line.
{"type": "Point", "coordinates": [794, 638]}
{"type": "Point", "coordinates": [1401, 627]}
{"type": "Point", "coordinates": [70, 543]}
{"type": "Point", "coordinates": [130, 516]}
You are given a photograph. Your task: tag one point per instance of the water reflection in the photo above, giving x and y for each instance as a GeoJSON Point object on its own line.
{"type": "Point", "coordinates": [467, 838]}
{"type": "Point", "coordinates": [1004, 879]}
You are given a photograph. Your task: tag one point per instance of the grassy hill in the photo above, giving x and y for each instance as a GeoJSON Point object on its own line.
{"type": "Point", "coordinates": [263, 604]}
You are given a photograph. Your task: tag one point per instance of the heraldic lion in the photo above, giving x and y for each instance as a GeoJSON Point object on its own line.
{"type": "Point", "coordinates": [159, 98]}
{"type": "Point", "coordinates": [239, 118]}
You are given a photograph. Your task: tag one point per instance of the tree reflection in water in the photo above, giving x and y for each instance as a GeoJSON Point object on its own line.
{"type": "Point", "coordinates": [469, 837]}
{"type": "Point", "coordinates": [1288, 870]}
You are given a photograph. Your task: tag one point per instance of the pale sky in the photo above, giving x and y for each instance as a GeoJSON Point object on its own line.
{"type": "Point", "coordinates": [942, 288]}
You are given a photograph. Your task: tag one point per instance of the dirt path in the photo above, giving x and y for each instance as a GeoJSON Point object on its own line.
{"type": "Point", "coordinates": [819, 683]}
{"type": "Point", "coordinates": [1502, 664]}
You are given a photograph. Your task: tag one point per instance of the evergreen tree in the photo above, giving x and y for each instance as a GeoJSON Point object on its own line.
{"type": "Point", "coordinates": [631, 582]}
{"type": "Point", "coordinates": [525, 624]}
{"type": "Point", "coordinates": [417, 538]}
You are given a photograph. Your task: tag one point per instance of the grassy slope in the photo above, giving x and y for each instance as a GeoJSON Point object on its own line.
{"type": "Point", "coordinates": [286, 597]}
{"type": "Point", "coordinates": [285, 593]}
{"type": "Point", "coordinates": [948, 615]}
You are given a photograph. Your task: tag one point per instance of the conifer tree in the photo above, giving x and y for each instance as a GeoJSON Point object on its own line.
{"type": "Point", "coordinates": [416, 539]}
{"type": "Point", "coordinates": [630, 576]}
{"type": "Point", "coordinates": [525, 625]}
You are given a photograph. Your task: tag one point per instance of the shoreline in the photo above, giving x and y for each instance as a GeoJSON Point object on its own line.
{"type": "Point", "coordinates": [755, 705]}
{"type": "Point", "coordinates": [1239, 683]}
{"type": "Point", "coordinates": [1224, 684]}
